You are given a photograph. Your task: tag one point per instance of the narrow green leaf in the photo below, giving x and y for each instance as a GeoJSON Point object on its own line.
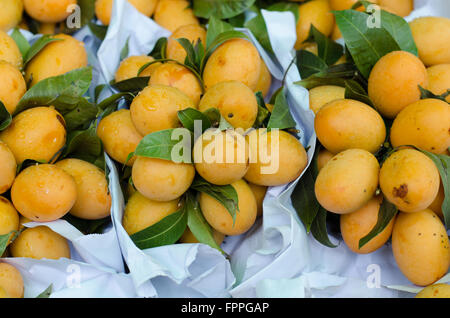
{"type": "Point", "coordinates": [5, 117]}
{"type": "Point", "coordinates": [125, 50]}
{"type": "Point", "coordinates": [98, 30]}
{"type": "Point", "coordinates": [399, 29]}
{"type": "Point", "coordinates": [87, 9]}
{"type": "Point", "coordinates": [334, 75]}
{"type": "Point", "coordinates": [4, 241]}
{"type": "Point", "coordinates": [81, 115]}
{"type": "Point", "coordinates": [328, 50]}
{"type": "Point", "coordinates": [424, 94]}
{"type": "Point", "coordinates": [221, 9]}
{"type": "Point", "coordinates": [132, 85]}
{"type": "Point", "coordinates": [188, 117]}
{"type": "Point", "coordinates": [258, 27]}
{"type": "Point", "coordinates": [281, 117]}
{"type": "Point", "coordinates": [309, 64]}
{"type": "Point", "coordinates": [38, 46]}
{"type": "Point", "coordinates": [21, 42]}
{"type": "Point", "coordinates": [159, 51]}
{"type": "Point", "coordinates": [319, 228]}
{"type": "Point", "coordinates": [285, 6]}
{"type": "Point", "coordinates": [213, 115]}
{"type": "Point", "coordinates": [87, 226]}
{"type": "Point", "coordinates": [353, 90]}
{"type": "Point", "coordinates": [46, 293]}
{"type": "Point", "coordinates": [263, 112]}
{"type": "Point", "coordinates": [215, 28]}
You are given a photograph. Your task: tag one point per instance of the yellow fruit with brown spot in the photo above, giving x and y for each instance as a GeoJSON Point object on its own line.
{"type": "Point", "coordinates": [162, 180]}
{"type": "Point", "coordinates": [43, 193]}
{"type": "Point", "coordinates": [349, 124]}
{"type": "Point", "coordinates": [57, 58]}
{"type": "Point", "coordinates": [234, 60]}
{"type": "Point", "coordinates": [40, 242]}
{"type": "Point", "coordinates": [410, 180]}
{"type": "Point", "coordinates": [260, 193]}
{"type": "Point", "coordinates": [178, 76]}
{"type": "Point", "coordinates": [38, 133]}
{"type": "Point", "coordinates": [141, 212]}
{"type": "Point", "coordinates": [193, 32]}
{"type": "Point", "coordinates": [130, 67]}
{"type": "Point", "coordinates": [322, 95]}
{"type": "Point", "coordinates": [219, 217]}
{"type": "Point", "coordinates": [119, 136]}
{"type": "Point", "coordinates": [424, 124]}
{"type": "Point", "coordinates": [13, 86]}
{"type": "Point", "coordinates": [348, 181]}
{"type": "Point", "coordinates": [276, 157]}
{"type": "Point", "coordinates": [10, 14]}
{"type": "Point", "coordinates": [235, 101]}
{"type": "Point", "coordinates": [323, 157]}
{"type": "Point", "coordinates": [93, 197]}
{"type": "Point", "coordinates": [394, 82]}
{"type": "Point", "coordinates": [9, 218]}
{"type": "Point", "coordinates": [439, 79]}
{"type": "Point", "coordinates": [173, 14]}
{"type": "Point", "coordinates": [317, 13]}
{"type": "Point", "coordinates": [189, 237]}
{"type": "Point", "coordinates": [420, 246]}
{"type": "Point", "coordinates": [435, 291]}
{"type": "Point", "coordinates": [356, 225]}
{"type": "Point", "coordinates": [11, 281]}
{"type": "Point", "coordinates": [431, 36]}
{"type": "Point", "coordinates": [49, 11]}
{"type": "Point", "coordinates": [156, 108]}
{"type": "Point", "coordinates": [9, 51]}
{"type": "Point", "coordinates": [7, 169]}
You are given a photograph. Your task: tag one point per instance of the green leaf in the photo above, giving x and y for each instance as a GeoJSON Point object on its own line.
{"type": "Point", "coordinates": [258, 27]}
{"type": "Point", "coordinates": [226, 195]}
{"type": "Point", "coordinates": [387, 212]}
{"type": "Point", "coordinates": [21, 42]}
{"type": "Point", "coordinates": [125, 50]}
{"type": "Point", "coordinates": [98, 30]}
{"type": "Point", "coordinates": [399, 29]}
{"type": "Point", "coordinates": [365, 43]}
{"type": "Point", "coordinates": [46, 293]}
{"type": "Point", "coordinates": [164, 144]}
{"type": "Point", "coordinates": [215, 28]}
{"type": "Point", "coordinates": [165, 232]}
{"type": "Point", "coordinates": [309, 64]}
{"type": "Point", "coordinates": [281, 117]}
{"type": "Point", "coordinates": [98, 90]}
{"type": "Point", "coordinates": [159, 51]}
{"type": "Point", "coordinates": [87, 9]}
{"type": "Point", "coordinates": [328, 50]}
{"type": "Point", "coordinates": [82, 113]}
{"type": "Point", "coordinates": [4, 241]}
{"type": "Point", "coordinates": [132, 85]}
{"type": "Point", "coordinates": [114, 99]}
{"type": "Point", "coordinates": [424, 94]}
{"type": "Point", "coordinates": [263, 112]}
{"type": "Point", "coordinates": [285, 6]}
{"type": "Point", "coordinates": [213, 115]}
{"type": "Point", "coordinates": [87, 226]}
{"type": "Point", "coordinates": [334, 75]}
{"type": "Point", "coordinates": [198, 225]}
{"type": "Point", "coordinates": [5, 117]}
{"type": "Point", "coordinates": [237, 21]}
{"type": "Point", "coordinates": [188, 117]}
{"type": "Point", "coordinates": [319, 228]}
{"type": "Point", "coordinates": [222, 9]}
{"type": "Point", "coordinates": [38, 46]}
{"type": "Point", "coordinates": [353, 90]}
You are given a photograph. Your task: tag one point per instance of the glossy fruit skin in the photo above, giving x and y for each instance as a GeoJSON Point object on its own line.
{"type": "Point", "coordinates": [9, 218]}
{"type": "Point", "coordinates": [43, 193]}
{"type": "Point", "coordinates": [219, 217]}
{"type": "Point", "coordinates": [349, 124]}
{"type": "Point", "coordinates": [435, 291]}
{"type": "Point", "coordinates": [56, 58]}
{"type": "Point", "coordinates": [354, 226]}
{"type": "Point", "coordinates": [431, 37]}
{"type": "Point", "coordinates": [424, 124]}
{"type": "Point", "coordinates": [130, 67]}
{"type": "Point", "coordinates": [119, 136]}
{"type": "Point", "coordinates": [156, 108]}
{"type": "Point", "coordinates": [38, 133]}
{"type": "Point", "coordinates": [174, 14]}
{"type": "Point", "coordinates": [10, 14]}
{"type": "Point", "coordinates": [9, 51]}
{"type": "Point", "coordinates": [420, 246]}
{"type": "Point", "coordinates": [235, 101]}
{"type": "Point", "coordinates": [394, 82]}
{"type": "Point", "coordinates": [348, 181]}
{"type": "Point", "coordinates": [13, 86]}
{"type": "Point", "coordinates": [265, 80]}
{"type": "Point", "coordinates": [398, 7]}
{"type": "Point", "coordinates": [410, 180]}
{"type": "Point", "coordinates": [191, 32]}
{"type": "Point", "coordinates": [40, 242]}
{"type": "Point", "coordinates": [323, 157]}
{"type": "Point", "coordinates": [276, 158]}
{"type": "Point", "coordinates": [436, 205]}
{"type": "Point", "coordinates": [439, 79]}
{"type": "Point", "coordinates": [141, 212]}
{"type": "Point", "coordinates": [260, 193]}
{"type": "Point", "coordinates": [322, 95]}
{"type": "Point", "coordinates": [11, 281]}
{"type": "Point", "coordinates": [346, 4]}
{"type": "Point", "coordinates": [93, 197]}
{"type": "Point", "coordinates": [234, 60]}
{"type": "Point", "coordinates": [49, 11]}
{"type": "Point", "coordinates": [7, 169]}
{"type": "Point", "coordinates": [162, 180]}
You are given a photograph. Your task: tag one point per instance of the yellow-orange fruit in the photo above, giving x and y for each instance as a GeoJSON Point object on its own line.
{"type": "Point", "coordinates": [37, 133]}
{"type": "Point", "coordinates": [9, 50]}
{"type": "Point", "coordinates": [410, 180]}
{"type": "Point", "coordinates": [219, 217]}
{"type": "Point", "coordinates": [356, 225]}
{"type": "Point", "coordinates": [130, 67]}
{"type": "Point", "coordinates": [436, 205]}
{"type": "Point", "coordinates": [431, 36]}
{"type": "Point", "coordinates": [11, 281]}
{"type": "Point", "coordinates": [310, 47]}
{"type": "Point", "coordinates": [23, 220]}
{"type": "Point", "coordinates": [40, 242]}
{"type": "Point", "coordinates": [189, 237]}
{"type": "Point", "coordinates": [424, 124]}
{"type": "Point", "coordinates": [276, 157]}
{"type": "Point", "coordinates": [420, 246]}
{"type": "Point", "coordinates": [346, 4]}
{"type": "Point", "coordinates": [322, 95]}
{"type": "Point", "coordinates": [47, 28]}
{"type": "Point", "coordinates": [237, 60]}
{"type": "Point", "coordinates": [178, 76]}
{"type": "Point", "coordinates": [13, 86]}
{"type": "Point", "coordinates": [103, 8]}
{"type": "Point", "coordinates": [9, 218]}
{"type": "Point", "coordinates": [398, 7]}
{"type": "Point", "coordinates": [317, 13]}
{"type": "Point", "coordinates": [265, 80]}
{"type": "Point", "coordinates": [260, 193]}
{"type": "Point", "coordinates": [93, 198]}
{"type": "Point", "coordinates": [10, 14]}
{"type": "Point", "coordinates": [345, 124]}
{"type": "Point", "coordinates": [173, 14]}
{"type": "Point", "coordinates": [43, 193]}
{"type": "Point", "coordinates": [141, 212]}
{"type": "Point", "coordinates": [119, 136]}
{"type": "Point", "coordinates": [7, 168]}
{"type": "Point", "coordinates": [394, 82]}
{"type": "Point", "coordinates": [439, 79]}
{"type": "Point", "coordinates": [235, 101]}
{"type": "Point", "coordinates": [156, 108]}
{"type": "Point", "coordinates": [162, 180]}
{"type": "Point", "coordinates": [56, 58]}
{"type": "Point", "coordinates": [49, 10]}
{"type": "Point", "coordinates": [348, 181]}
{"type": "Point", "coordinates": [336, 34]}
{"type": "Point", "coordinates": [221, 157]}
{"type": "Point", "coordinates": [192, 32]}
{"type": "Point", "coordinates": [323, 157]}
{"type": "Point", "coordinates": [435, 291]}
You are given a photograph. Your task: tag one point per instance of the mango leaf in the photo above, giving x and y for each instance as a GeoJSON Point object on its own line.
{"type": "Point", "coordinates": [38, 46]}
{"type": "Point", "coordinates": [213, 115]}
{"type": "Point", "coordinates": [334, 75]}
{"type": "Point", "coordinates": [188, 117]}
{"type": "Point", "coordinates": [328, 50]}
{"type": "Point", "coordinates": [87, 226]}
{"type": "Point", "coordinates": [258, 27]}
{"type": "Point", "coordinates": [28, 163]}
{"type": "Point", "coordinates": [159, 51]}
{"type": "Point", "coordinates": [424, 94]}
{"type": "Point", "coordinates": [366, 44]}
{"type": "Point", "coordinates": [353, 90]}
{"type": "Point", "coordinates": [132, 85]}
{"type": "Point", "coordinates": [21, 42]}
{"type": "Point", "coordinates": [285, 6]}
{"type": "Point", "coordinates": [46, 293]}
{"type": "Point", "coordinates": [387, 212]}
{"type": "Point", "coordinates": [165, 232]}
{"type": "Point", "coordinates": [221, 9]}
{"type": "Point", "coordinates": [98, 30]}
{"type": "Point", "coordinates": [5, 117]}
{"type": "Point", "coordinates": [319, 228]}
{"type": "Point", "coordinates": [115, 99]}
{"type": "Point", "coordinates": [281, 117]}
{"type": "Point", "coordinates": [226, 195]}
{"type": "Point", "coordinates": [237, 21]}
{"type": "Point", "coordinates": [125, 50]}
{"type": "Point", "coordinates": [309, 64]}
{"type": "Point", "coordinates": [170, 144]}
{"type": "Point", "coordinates": [191, 55]}
{"type": "Point", "coordinates": [82, 113]}
{"type": "Point", "coordinates": [263, 112]}
{"type": "Point", "coordinates": [4, 241]}
{"type": "Point", "coordinates": [87, 9]}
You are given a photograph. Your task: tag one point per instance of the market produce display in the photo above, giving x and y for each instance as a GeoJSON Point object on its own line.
{"type": "Point", "coordinates": [178, 145]}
